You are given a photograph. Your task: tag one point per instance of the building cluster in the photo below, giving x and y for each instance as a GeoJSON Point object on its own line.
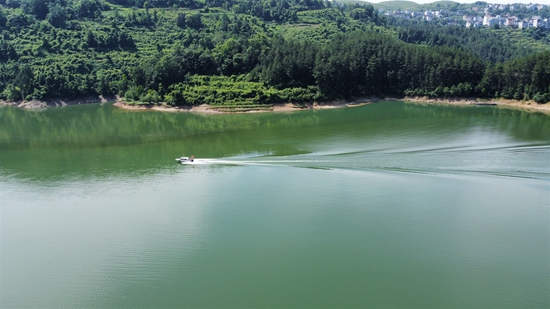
{"type": "Point", "coordinates": [491, 15]}
{"type": "Point", "coordinates": [506, 21]}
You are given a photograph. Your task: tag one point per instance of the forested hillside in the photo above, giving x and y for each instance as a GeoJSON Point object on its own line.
{"type": "Point", "coordinates": [252, 52]}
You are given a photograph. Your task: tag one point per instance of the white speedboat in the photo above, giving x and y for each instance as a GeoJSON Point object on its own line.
{"type": "Point", "coordinates": [186, 160]}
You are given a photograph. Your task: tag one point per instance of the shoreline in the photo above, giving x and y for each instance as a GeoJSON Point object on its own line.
{"type": "Point", "coordinates": [531, 106]}
{"type": "Point", "coordinates": [278, 107]}
{"type": "Point", "coordinates": [32, 104]}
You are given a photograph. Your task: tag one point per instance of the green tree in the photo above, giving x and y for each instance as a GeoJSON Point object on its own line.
{"type": "Point", "coordinates": [57, 16]}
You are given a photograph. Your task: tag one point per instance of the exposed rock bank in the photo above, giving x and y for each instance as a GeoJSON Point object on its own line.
{"type": "Point", "coordinates": [60, 102]}
{"type": "Point", "coordinates": [283, 107]}
{"type": "Point", "coordinates": [524, 105]}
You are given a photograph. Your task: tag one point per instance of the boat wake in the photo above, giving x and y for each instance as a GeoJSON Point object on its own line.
{"type": "Point", "coordinates": [255, 162]}
{"type": "Point", "coordinates": [497, 160]}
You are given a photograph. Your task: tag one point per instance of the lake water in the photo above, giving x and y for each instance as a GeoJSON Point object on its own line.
{"type": "Point", "coordinates": [388, 205]}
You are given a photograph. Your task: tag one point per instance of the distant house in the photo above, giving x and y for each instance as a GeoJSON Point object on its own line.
{"type": "Point", "coordinates": [494, 21]}
{"type": "Point", "coordinates": [487, 19]}
{"type": "Point", "coordinates": [523, 24]}
{"type": "Point", "coordinates": [474, 18]}
{"type": "Point", "coordinates": [499, 20]}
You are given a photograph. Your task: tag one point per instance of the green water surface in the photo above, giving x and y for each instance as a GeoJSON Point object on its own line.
{"type": "Point", "coordinates": [388, 205]}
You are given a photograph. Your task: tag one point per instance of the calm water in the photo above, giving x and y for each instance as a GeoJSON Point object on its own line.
{"type": "Point", "coordinates": [385, 205]}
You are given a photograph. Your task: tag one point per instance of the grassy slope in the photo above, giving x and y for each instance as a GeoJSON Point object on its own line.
{"type": "Point", "coordinates": [405, 5]}
{"type": "Point", "coordinates": [397, 5]}
{"type": "Point", "coordinates": [386, 5]}
{"type": "Point", "coordinates": [438, 5]}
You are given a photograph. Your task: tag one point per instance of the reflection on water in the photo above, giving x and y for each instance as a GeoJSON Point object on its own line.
{"type": "Point", "coordinates": [95, 140]}
{"type": "Point", "coordinates": [385, 205]}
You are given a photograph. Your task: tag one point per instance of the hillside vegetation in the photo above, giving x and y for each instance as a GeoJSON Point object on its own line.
{"type": "Point", "coordinates": [397, 5]}
{"type": "Point", "coordinates": [231, 52]}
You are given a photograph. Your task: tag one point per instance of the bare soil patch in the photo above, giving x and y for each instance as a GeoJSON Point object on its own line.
{"type": "Point", "coordinates": [500, 102]}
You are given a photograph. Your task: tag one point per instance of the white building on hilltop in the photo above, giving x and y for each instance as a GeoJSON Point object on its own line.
{"type": "Point", "coordinates": [487, 19]}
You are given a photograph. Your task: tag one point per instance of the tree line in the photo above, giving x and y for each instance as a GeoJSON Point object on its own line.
{"type": "Point", "coordinates": [256, 52]}
{"type": "Point", "coordinates": [488, 45]}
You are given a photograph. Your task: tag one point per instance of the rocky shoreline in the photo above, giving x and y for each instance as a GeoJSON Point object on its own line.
{"type": "Point", "coordinates": [283, 107]}
{"type": "Point", "coordinates": [280, 107]}
{"type": "Point", "coordinates": [61, 102]}
{"type": "Point", "coordinates": [504, 103]}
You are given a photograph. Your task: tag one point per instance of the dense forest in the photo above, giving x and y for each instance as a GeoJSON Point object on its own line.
{"type": "Point", "coordinates": [223, 52]}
